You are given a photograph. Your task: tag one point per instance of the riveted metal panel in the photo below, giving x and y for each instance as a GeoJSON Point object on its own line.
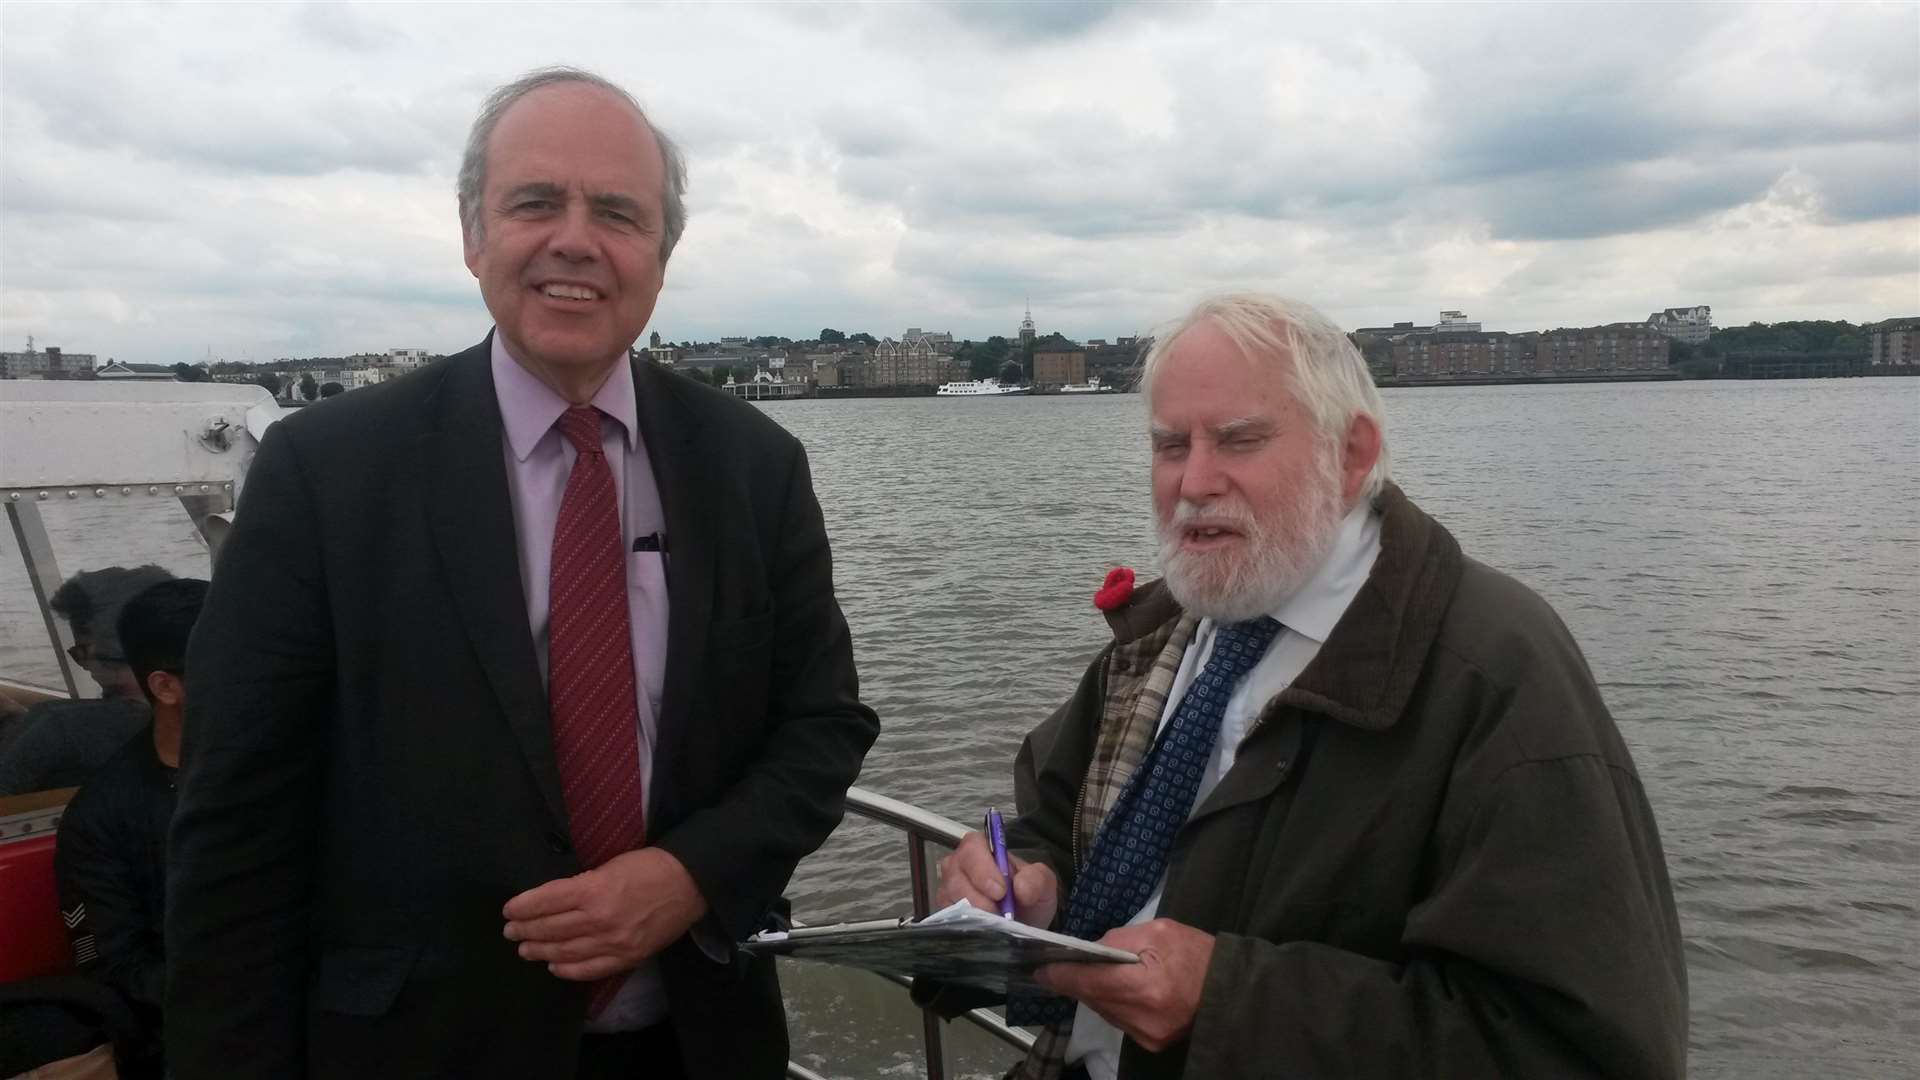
{"type": "Point", "coordinates": [93, 440]}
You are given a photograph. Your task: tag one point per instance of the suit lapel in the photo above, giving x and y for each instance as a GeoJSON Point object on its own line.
{"type": "Point", "coordinates": [464, 486]}
{"type": "Point", "coordinates": [668, 430]}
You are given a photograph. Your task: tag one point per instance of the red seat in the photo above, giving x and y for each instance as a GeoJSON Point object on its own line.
{"type": "Point", "coordinates": [32, 940]}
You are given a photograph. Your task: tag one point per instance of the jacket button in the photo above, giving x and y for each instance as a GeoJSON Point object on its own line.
{"type": "Point", "coordinates": [558, 843]}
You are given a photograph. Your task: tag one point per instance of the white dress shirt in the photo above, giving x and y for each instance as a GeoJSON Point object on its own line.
{"type": "Point", "coordinates": [1306, 618]}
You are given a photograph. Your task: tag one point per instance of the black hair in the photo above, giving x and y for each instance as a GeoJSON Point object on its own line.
{"type": "Point", "coordinates": [72, 602]}
{"type": "Point", "coordinates": [155, 625]}
{"type": "Point", "coordinates": [90, 601]}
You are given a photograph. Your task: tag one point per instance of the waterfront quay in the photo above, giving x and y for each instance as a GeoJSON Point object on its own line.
{"type": "Point", "coordinates": [1674, 344]}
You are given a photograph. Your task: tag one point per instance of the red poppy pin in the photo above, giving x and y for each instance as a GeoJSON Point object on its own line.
{"type": "Point", "coordinates": [1117, 589]}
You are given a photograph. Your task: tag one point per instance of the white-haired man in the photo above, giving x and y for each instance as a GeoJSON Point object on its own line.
{"type": "Point", "coordinates": [1352, 797]}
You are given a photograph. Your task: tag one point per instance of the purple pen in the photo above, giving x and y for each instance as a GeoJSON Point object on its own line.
{"type": "Point", "coordinates": [997, 843]}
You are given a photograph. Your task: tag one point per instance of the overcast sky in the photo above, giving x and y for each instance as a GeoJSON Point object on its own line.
{"type": "Point", "coordinates": [265, 181]}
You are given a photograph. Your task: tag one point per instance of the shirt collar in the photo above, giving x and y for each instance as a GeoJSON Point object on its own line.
{"type": "Point", "coordinates": [529, 408]}
{"type": "Point", "coordinates": [1316, 606]}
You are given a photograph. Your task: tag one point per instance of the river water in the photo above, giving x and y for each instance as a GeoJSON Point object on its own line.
{"type": "Point", "coordinates": [1740, 562]}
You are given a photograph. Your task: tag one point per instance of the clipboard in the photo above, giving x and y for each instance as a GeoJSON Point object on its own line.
{"type": "Point", "coordinates": [960, 944]}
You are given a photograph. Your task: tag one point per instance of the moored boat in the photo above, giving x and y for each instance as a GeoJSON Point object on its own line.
{"type": "Point", "coordinates": [1092, 386]}
{"type": "Point", "coordinates": [980, 388]}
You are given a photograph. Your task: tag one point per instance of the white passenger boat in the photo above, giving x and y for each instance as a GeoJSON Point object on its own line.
{"type": "Point", "coordinates": [980, 388]}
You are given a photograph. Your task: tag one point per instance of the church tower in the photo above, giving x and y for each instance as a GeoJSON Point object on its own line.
{"type": "Point", "coordinates": [1026, 326]}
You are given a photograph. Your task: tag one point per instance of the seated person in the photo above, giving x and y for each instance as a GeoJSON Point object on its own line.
{"type": "Point", "coordinates": [55, 744]}
{"type": "Point", "coordinates": [110, 859]}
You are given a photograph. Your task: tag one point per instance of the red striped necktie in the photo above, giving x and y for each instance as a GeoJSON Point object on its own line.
{"type": "Point", "coordinates": [590, 684]}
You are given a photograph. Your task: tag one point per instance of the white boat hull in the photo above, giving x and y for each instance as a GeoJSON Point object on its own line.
{"type": "Point", "coordinates": [980, 388]}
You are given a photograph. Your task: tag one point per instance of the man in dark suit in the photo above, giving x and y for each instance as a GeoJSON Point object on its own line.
{"type": "Point", "coordinates": [522, 687]}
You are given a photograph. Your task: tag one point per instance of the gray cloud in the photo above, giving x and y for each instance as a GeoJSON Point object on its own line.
{"type": "Point", "coordinates": [345, 27]}
{"type": "Point", "coordinates": [1564, 205]}
{"type": "Point", "coordinates": [264, 180]}
{"type": "Point", "coordinates": [1867, 182]}
{"type": "Point", "coordinates": [875, 131]}
{"type": "Point", "coordinates": [265, 132]}
{"type": "Point", "coordinates": [1018, 22]}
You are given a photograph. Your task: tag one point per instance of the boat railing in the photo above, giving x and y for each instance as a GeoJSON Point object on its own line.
{"type": "Point", "coordinates": [922, 828]}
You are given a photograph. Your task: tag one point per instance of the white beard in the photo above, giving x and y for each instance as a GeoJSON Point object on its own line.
{"type": "Point", "coordinates": [1279, 554]}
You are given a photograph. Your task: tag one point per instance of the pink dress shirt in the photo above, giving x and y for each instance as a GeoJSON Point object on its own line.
{"type": "Point", "coordinates": [538, 459]}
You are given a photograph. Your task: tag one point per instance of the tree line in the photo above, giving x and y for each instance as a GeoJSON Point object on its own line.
{"type": "Point", "coordinates": [1807, 336]}
{"type": "Point", "coordinates": [1812, 337]}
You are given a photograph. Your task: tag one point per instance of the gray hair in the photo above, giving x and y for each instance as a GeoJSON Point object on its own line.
{"type": "Point", "coordinates": [1328, 376]}
{"type": "Point", "coordinates": [473, 164]}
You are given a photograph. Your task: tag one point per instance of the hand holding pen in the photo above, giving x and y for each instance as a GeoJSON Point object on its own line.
{"type": "Point", "coordinates": [1008, 884]}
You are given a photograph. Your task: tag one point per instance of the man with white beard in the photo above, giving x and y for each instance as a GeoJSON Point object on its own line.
{"type": "Point", "coordinates": [1352, 797]}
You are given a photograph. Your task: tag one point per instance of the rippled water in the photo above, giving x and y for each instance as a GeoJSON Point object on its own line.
{"type": "Point", "coordinates": [1740, 561]}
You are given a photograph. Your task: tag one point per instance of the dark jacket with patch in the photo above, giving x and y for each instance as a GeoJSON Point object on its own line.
{"type": "Point", "coordinates": [1432, 857]}
{"type": "Point", "coordinates": [110, 862]}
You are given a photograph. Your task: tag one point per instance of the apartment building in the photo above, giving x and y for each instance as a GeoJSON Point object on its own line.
{"type": "Point", "coordinates": [1614, 349]}
{"type": "Point", "coordinates": [1057, 362]}
{"type": "Point", "coordinates": [1463, 355]}
{"type": "Point", "coordinates": [1895, 341]}
{"type": "Point", "coordinates": [47, 363]}
{"type": "Point", "coordinates": [1691, 325]}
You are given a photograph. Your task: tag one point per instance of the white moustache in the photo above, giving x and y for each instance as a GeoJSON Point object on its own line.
{"type": "Point", "coordinates": [1220, 513]}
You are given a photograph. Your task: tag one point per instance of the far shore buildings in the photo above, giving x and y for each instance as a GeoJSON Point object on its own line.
{"type": "Point", "coordinates": [115, 371]}
{"type": "Point", "coordinates": [1690, 326]}
{"type": "Point", "coordinates": [1453, 355]}
{"type": "Point", "coordinates": [919, 358]}
{"type": "Point", "coordinates": [47, 363]}
{"type": "Point", "coordinates": [826, 368]}
{"type": "Point", "coordinates": [1057, 362]}
{"type": "Point", "coordinates": [1614, 349]}
{"type": "Point", "coordinates": [1895, 342]}
{"type": "Point", "coordinates": [1453, 348]}
{"type": "Point", "coordinates": [405, 360]}
{"type": "Point", "coordinates": [1117, 364]}
{"type": "Point", "coordinates": [1620, 349]}
{"type": "Point", "coordinates": [657, 351]}
{"type": "Point", "coordinates": [1457, 348]}
{"type": "Point", "coordinates": [769, 383]}
{"type": "Point", "coordinates": [660, 352]}
{"type": "Point", "coordinates": [354, 372]}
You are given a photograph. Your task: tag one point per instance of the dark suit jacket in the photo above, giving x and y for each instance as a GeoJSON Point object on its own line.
{"type": "Point", "coordinates": [367, 774]}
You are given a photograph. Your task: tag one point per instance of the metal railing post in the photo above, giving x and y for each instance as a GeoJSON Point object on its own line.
{"type": "Point", "coordinates": [922, 907]}
{"type": "Point", "coordinates": [36, 550]}
{"type": "Point", "coordinates": [922, 827]}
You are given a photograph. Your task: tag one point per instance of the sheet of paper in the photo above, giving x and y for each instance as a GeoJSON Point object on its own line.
{"type": "Point", "coordinates": [959, 944]}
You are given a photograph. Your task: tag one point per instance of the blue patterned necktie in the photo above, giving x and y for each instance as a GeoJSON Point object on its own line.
{"type": "Point", "coordinates": [1130, 851]}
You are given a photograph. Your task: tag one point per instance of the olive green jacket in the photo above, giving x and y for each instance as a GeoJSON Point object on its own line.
{"type": "Point", "coordinates": [1432, 856]}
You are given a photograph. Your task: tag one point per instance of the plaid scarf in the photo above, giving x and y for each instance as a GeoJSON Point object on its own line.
{"type": "Point", "coordinates": [1139, 677]}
